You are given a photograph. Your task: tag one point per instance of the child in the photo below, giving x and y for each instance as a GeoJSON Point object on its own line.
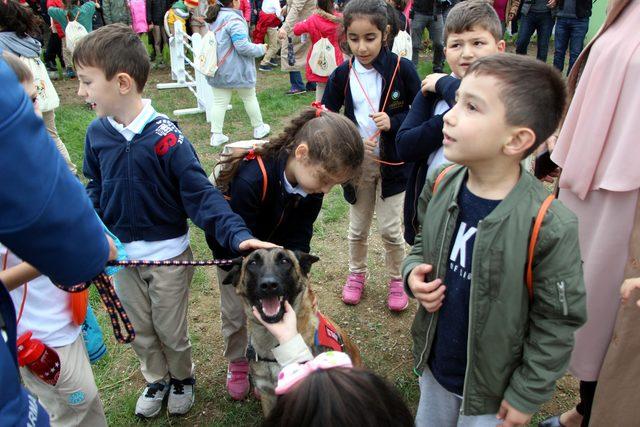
{"type": "Point", "coordinates": [269, 19]}
{"type": "Point", "coordinates": [318, 150]}
{"type": "Point", "coordinates": [391, 83]}
{"type": "Point", "coordinates": [145, 180]}
{"type": "Point", "coordinates": [71, 10]}
{"type": "Point", "coordinates": [19, 27]}
{"type": "Point", "coordinates": [236, 69]}
{"type": "Point", "coordinates": [155, 17]}
{"type": "Point", "coordinates": [486, 345]}
{"type": "Point", "coordinates": [179, 13]}
{"type": "Point", "coordinates": [398, 7]}
{"type": "Point", "coordinates": [324, 23]}
{"type": "Point", "coordinates": [198, 10]}
{"type": "Point", "coordinates": [308, 390]}
{"type": "Point", "coordinates": [472, 31]}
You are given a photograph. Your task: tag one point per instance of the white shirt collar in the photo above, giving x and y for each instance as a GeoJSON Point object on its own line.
{"type": "Point", "coordinates": [290, 188]}
{"type": "Point", "coordinates": [138, 124]}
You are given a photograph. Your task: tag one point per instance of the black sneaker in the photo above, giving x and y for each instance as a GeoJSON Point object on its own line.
{"type": "Point", "coordinates": [295, 91]}
{"type": "Point", "coordinates": [274, 63]}
{"type": "Point", "coordinates": [265, 67]}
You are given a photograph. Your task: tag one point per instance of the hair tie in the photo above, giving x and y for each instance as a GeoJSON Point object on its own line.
{"type": "Point", "coordinates": [319, 106]}
{"type": "Point", "coordinates": [292, 374]}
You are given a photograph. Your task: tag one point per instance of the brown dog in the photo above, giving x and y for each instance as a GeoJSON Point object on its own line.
{"type": "Point", "coordinates": [265, 279]}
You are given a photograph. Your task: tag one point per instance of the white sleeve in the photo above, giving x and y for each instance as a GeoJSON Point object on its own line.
{"type": "Point", "coordinates": [293, 351]}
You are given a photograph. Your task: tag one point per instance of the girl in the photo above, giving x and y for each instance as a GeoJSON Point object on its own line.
{"type": "Point", "coordinates": [72, 10]}
{"type": "Point", "coordinates": [277, 189]}
{"type": "Point", "coordinates": [18, 28]}
{"type": "Point", "coordinates": [236, 69]}
{"type": "Point", "coordinates": [324, 23]}
{"type": "Point", "coordinates": [376, 89]}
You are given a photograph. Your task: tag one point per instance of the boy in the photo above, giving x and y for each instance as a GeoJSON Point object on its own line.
{"type": "Point", "coordinates": [145, 180]}
{"type": "Point", "coordinates": [483, 348]}
{"type": "Point", "coordinates": [472, 31]}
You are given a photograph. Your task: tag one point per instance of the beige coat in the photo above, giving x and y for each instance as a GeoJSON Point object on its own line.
{"type": "Point", "coordinates": [297, 10]}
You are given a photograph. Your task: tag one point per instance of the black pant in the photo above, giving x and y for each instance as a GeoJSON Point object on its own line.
{"type": "Point", "coordinates": [587, 391]}
{"type": "Point", "coordinates": [54, 49]}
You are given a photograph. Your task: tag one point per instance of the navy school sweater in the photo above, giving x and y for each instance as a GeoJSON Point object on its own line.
{"type": "Point", "coordinates": [146, 188]}
{"type": "Point", "coordinates": [405, 86]}
{"type": "Point", "coordinates": [282, 218]}
{"type": "Point", "coordinates": [419, 136]}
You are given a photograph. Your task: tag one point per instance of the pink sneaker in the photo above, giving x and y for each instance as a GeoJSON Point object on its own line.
{"type": "Point", "coordinates": [352, 290]}
{"type": "Point", "coordinates": [397, 300]}
{"type": "Point", "coordinates": [238, 379]}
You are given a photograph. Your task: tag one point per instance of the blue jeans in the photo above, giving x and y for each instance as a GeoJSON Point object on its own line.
{"type": "Point", "coordinates": [295, 77]}
{"type": "Point", "coordinates": [570, 32]}
{"type": "Point", "coordinates": [435, 25]}
{"type": "Point", "coordinates": [542, 22]}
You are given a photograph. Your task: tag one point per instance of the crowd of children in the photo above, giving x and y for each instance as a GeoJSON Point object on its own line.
{"type": "Point", "coordinates": [497, 304]}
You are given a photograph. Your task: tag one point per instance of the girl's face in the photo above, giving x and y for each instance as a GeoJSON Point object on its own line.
{"type": "Point", "coordinates": [235, 4]}
{"type": "Point", "coordinates": [309, 176]}
{"type": "Point", "coordinates": [365, 40]}
{"type": "Point", "coordinates": [32, 93]}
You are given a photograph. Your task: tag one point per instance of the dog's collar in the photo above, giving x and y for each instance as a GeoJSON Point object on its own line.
{"type": "Point", "coordinates": [252, 355]}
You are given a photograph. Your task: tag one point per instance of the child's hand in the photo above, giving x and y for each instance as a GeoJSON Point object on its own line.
{"type": "Point", "coordinates": [627, 287]}
{"type": "Point", "coordinates": [382, 120]}
{"type": "Point", "coordinates": [113, 250]}
{"type": "Point", "coordinates": [370, 147]}
{"type": "Point", "coordinates": [250, 244]}
{"type": "Point", "coordinates": [511, 417]}
{"type": "Point", "coordinates": [266, 46]}
{"type": "Point", "coordinates": [429, 82]}
{"type": "Point", "coordinates": [429, 294]}
{"type": "Point", "coordinates": [283, 330]}
{"type": "Point", "coordinates": [282, 34]}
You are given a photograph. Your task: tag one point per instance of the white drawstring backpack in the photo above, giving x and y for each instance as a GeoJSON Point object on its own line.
{"type": "Point", "coordinates": [322, 60]}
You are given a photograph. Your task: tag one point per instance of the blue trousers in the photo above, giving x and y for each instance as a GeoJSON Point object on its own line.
{"type": "Point", "coordinates": [570, 32]}
{"type": "Point", "coordinates": [542, 22]}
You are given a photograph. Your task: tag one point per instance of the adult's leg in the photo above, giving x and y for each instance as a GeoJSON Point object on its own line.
{"type": "Point", "coordinates": [545, 27]}
{"type": "Point", "coordinates": [527, 27]}
{"type": "Point", "coordinates": [295, 78]}
{"type": "Point", "coordinates": [418, 24]}
{"type": "Point", "coordinates": [576, 40]}
{"type": "Point", "coordinates": [562, 34]}
{"type": "Point", "coordinates": [436, 34]}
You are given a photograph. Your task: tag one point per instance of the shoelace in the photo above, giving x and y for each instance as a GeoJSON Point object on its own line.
{"type": "Point", "coordinates": [111, 301]}
{"type": "Point", "coordinates": [152, 389]}
{"type": "Point", "coordinates": [178, 387]}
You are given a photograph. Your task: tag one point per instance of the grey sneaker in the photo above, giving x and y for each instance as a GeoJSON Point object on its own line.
{"type": "Point", "coordinates": [181, 396]}
{"type": "Point", "coordinates": [150, 401]}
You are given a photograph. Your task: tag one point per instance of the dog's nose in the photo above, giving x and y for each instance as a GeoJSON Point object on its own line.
{"type": "Point", "coordinates": [268, 285]}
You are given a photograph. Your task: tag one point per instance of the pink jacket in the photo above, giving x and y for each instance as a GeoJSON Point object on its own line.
{"type": "Point", "coordinates": [138, 16]}
{"type": "Point", "coordinates": [245, 8]}
{"type": "Point", "coordinates": [320, 25]}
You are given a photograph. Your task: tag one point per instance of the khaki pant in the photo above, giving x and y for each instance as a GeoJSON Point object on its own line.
{"type": "Point", "coordinates": [273, 45]}
{"type": "Point", "coordinates": [234, 321]}
{"type": "Point", "coordinates": [389, 214]}
{"type": "Point", "coordinates": [320, 88]}
{"type": "Point", "coordinates": [49, 118]}
{"type": "Point", "coordinates": [66, 54]}
{"type": "Point", "coordinates": [74, 400]}
{"type": "Point", "coordinates": [156, 300]}
{"type": "Point", "coordinates": [222, 97]}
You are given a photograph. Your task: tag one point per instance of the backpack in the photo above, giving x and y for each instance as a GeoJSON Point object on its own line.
{"type": "Point", "coordinates": [47, 96]}
{"type": "Point", "coordinates": [402, 45]}
{"type": "Point", "coordinates": [246, 147]}
{"type": "Point", "coordinates": [322, 60]}
{"type": "Point", "coordinates": [535, 231]}
{"type": "Point", "coordinates": [208, 56]}
{"type": "Point", "coordinates": [74, 33]}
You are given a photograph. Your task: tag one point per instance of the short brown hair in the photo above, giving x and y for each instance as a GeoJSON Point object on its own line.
{"type": "Point", "coordinates": [467, 15]}
{"type": "Point", "coordinates": [23, 73]}
{"type": "Point", "coordinates": [114, 49]}
{"type": "Point", "coordinates": [533, 93]}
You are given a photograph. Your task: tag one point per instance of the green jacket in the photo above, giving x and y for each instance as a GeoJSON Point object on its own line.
{"type": "Point", "coordinates": [116, 11]}
{"type": "Point", "coordinates": [84, 15]}
{"type": "Point", "coordinates": [516, 350]}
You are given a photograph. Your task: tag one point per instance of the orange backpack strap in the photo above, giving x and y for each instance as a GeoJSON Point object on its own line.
{"type": "Point", "coordinates": [265, 180]}
{"type": "Point", "coordinates": [534, 239]}
{"type": "Point", "coordinates": [79, 301]}
{"type": "Point", "coordinates": [441, 177]}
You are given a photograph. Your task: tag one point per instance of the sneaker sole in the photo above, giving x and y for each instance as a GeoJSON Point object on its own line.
{"type": "Point", "coordinates": [155, 414]}
{"type": "Point", "coordinates": [296, 93]}
{"type": "Point", "coordinates": [177, 414]}
{"type": "Point", "coordinates": [395, 310]}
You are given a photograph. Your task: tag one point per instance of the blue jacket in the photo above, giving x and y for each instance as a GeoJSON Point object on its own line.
{"type": "Point", "coordinates": [283, 218]}
{"type": "Point", "coordinates": [419, 136]}
{"type": "Point", "coordinates": [146, 188]}
{"type": "Point", "coordinates": [405, 87]}
{"type": "Point", "coordinates": [46, 220]}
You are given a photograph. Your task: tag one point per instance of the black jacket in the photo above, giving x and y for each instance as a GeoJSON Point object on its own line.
{"type": "Point", "coordinates": [156, 10]}
{"type": "Point", "coordinates": [583, 7]}
{"type": "Point", "coordinates": [282, 218]}
{"type": "Point", "coordinates": [405, 86]}
{"type": "Point", "coordinates": [424, 7]}
{"type": "Point", "coordinates": [419, 136]}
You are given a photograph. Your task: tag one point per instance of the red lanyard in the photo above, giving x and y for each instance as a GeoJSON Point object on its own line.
{"type": "Point", "coordinates": [24, 294]}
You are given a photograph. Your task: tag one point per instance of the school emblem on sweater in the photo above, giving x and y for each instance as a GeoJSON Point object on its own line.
{"type": "Point", "coordinates": [76, 397]}
{"type": "Point", "coordinates": [395, 95]}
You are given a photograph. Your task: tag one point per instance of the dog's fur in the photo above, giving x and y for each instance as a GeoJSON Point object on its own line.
{"type": "Point", "coordinates": [282, 272]}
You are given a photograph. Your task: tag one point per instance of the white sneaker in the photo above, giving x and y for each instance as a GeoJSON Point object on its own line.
{"type": "Point", "coordinates": [181, 396]}
{"type": "Point", "coordinates": [261, 131]}
{"type": "Point", "coordinates": [218, 139]}
{"type": "Point", "coordinates": [229, 107]}
{"type": "Point", "coordinates": [150, 401]}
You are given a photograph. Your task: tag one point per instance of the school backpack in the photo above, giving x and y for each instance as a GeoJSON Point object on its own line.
{"type": "Point", "coordinates": [402, 45]}
{"type": "Point", "coordinates": [74, 33]}
{"type": "Point", "coordinates": [208, 56]}
{"type": "Point", "coordinates": [322, 60]}
{"type": "Point", "coordinates": [47, 96]}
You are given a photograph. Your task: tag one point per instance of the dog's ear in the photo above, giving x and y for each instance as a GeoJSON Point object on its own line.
{"type": "Point", "coordinates": [233, 272]}
{"type": "Point", "coordinates": [305, 260]}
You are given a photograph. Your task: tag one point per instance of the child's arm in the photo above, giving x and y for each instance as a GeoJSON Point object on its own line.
{"type": "Point", "coordinates": [333, 97]}
{"type": "Point", "coordinates": [89, 8]}
{"type": "Point", "coordinates": [240, 39]}
{"type": "Point", "coordinates": [18, 275]}
{"type": "Point", "coordinates": [91, 171]}
{"type": "Point", "coordinates": [419, 135]}
{"type": "Point", "coordinates": [59, 15]}
{"type": "Point", "coordinates": [300, 28]}
{"type": "Point", "coordinates": [557, 310]}
{"type": "Point", "coordinates": [446, 88]}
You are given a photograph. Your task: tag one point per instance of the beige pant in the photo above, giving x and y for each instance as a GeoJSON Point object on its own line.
{"type": "Point", "coordinates": [74, 400]}
{"type": "Point", "coordinates": [234, 321]}
{"type": "Point", "coordinates": [66, 54]}
{"type": "Point", "coordinates": [389, 214]}
{"type": "Point", "coordinates": [49, 118]}
{"type": "Point", "coordinates": [156, 300]}
{"type": "Point", "coordinates": [273, 45]}
{"type": "Point", "coordinates": [320, 87]}
{"type": "Point", "coordinates": [222, 97]}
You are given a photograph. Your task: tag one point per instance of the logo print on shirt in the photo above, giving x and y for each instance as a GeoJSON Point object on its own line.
{"type": "Point", "coordinates": [460, 245]}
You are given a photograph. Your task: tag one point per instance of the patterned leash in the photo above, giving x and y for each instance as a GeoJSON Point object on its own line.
{"type": "Point", "coordinates": [111, 301]}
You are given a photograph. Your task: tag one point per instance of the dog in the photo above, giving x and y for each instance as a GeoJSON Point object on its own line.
{"type": "Point", "coordinates": [265, 279]}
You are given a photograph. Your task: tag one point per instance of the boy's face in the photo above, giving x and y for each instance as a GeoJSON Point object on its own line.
{"type": "Point", "coordinates": [475, 129]}
{"type": "Point", "coordinates": [103, 95]}
{"type": "Point", "coordinates": [464, 48]}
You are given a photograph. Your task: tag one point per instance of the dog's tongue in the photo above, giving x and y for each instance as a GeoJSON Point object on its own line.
{"type": "Point", "coordinates": [270, 305]}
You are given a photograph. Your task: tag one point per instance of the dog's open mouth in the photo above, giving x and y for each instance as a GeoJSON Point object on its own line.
{"type": "Point", "coordinates": [271, 308]}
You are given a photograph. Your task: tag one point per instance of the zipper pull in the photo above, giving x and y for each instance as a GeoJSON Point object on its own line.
{"type": "Point", "coordinates": [562, 297]}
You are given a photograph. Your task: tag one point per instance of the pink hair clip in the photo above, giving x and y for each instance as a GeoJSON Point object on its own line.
{"type": "Point", "coordinates": [292, 374]}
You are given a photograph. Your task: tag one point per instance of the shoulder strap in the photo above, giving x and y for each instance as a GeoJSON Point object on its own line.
{"type": "Point", "coordinates": [440, 177]}
{"type": "Point", "coordinates": [534, 239]}
{"type": "Point", "coordinates": [265, 179]}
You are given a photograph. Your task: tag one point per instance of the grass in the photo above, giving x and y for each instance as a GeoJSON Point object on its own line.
{"type": "Point", "coordinates": [383, 337]}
